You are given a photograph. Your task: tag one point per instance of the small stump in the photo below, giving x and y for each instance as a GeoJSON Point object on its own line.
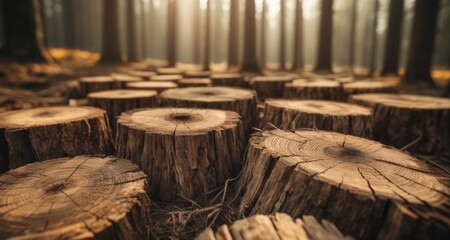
{"type": "Point", "coordinates": [117, 101]}
{"type": "Point", "coordinates": [278, 226]}
{"type": "Point", "coordinates": [39, 134]}
{"type": "Point", "coordinates": [166, 78]}
{"type": "Point", "coordinates": [169, 71]}
{"type": "Point", "coordinates": [195, 82]}
{"type": "Point", "coordinates": [324, 115]}
{"type": "Point", "coordinates": [149, 85]}
{"type": "Point", "coordinates": [146, 75]}
{"type": "Point", "coordinates": [419, 122]}
{"type": "Point", "coordinates": [121, 80]}
{"type": "Point", "coordinates": [364, 187]}
{"type": "Point", "coordinates": [317, 89]}
{"type": "Point", "coordinates": [269, 87]}
{"type": "Point", "coordinates": [197, 74]}
{"type": "Point", "coordinates": [368, 86]}
{"type": "Point", "coordinates": [85, 197]}
{"type": "Point", "coordinates": [184, 151]}
{"type": "Point", "coordinates": [228, 79]}
{"type": "Point", "coordinates": [231, 99]}
{"type": "Point", "coordinates": [96, 84]}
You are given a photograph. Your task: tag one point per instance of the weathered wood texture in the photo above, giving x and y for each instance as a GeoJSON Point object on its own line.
{"type": "Point", "coordinates": [96, 84]}
{"type": "Point", "coordinates": [228, 79]}
{"type": "Point", "coordinates": [367, 189]}
{"type": "Point", "coordinates": [269, 87]}
{"type": "Point", "coordinates": [184, 151]}
{"type": "Point", "coordinates": [368, 86]}
{"type": "Point", "coordinates": [39, 134]}
{"type": "Point", "coordinates": [277, 226]}
{"type": "Point", "coordinates": [418, 121]}
{"type": "Point", "coordinates": [167, 78]}
{"type": "Point", "coordinates": [117, 101]}
{"type": "Point", "coordinates": [197, 74]}
{"type": "Point", "coordinates": [195, 82]}
{"type": "Point", "coordinates": [85, 197]}
{"type": "Point", "coordinates": [169, 71]}
{"type": "Point", "coordinates": [324, 115]}
{"type": "Point", "coordinates": [316, 89]}
{"type": "Point", "coordinates": [121, 80]}
{"type": "Point", "coordinates": [231, 99]}
{"type": "Point", "coordinates": [150, 85]}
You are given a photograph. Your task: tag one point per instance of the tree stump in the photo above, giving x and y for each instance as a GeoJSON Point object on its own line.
{"type": "Point", "coordinates": [324, 115]}
{"type": "Point", "coordinates": [368, 86]}
{"type": "Point", "coordinates": [231, 99]}
{"type": "Point", "coordinates": [197, 74]}
{"type": "Point", "coordinates": [419, 122]}
{"type": "Point", "coordinates": [362, 186]}
{"type": "Point", "coordinates": [85, 197]}
{"type": "Point", "coordinates": [166, 78]}
{"type": "Point", "coordinates": [96, 84]}
{"type": "Point", "coordinates": [121, 80]}
{"type": "Point", "coordinates": [184, 151]}
{"type": "Point", "coordinates": [169, 71]}
{"type": "Point", "coordinates": [117, 101]}
{"type": "Point", "coordinates": [317, 89]}
{"type": "Point", "coordinates": [195, 82]}
{"type": "Point", "coordinates": [149, 85]}
{"type": "Point", "coordinates": [269, 87]}
{"type": "Point", "coordinates": [38, 134]}
{"type": "Point", "coordinates": [228, 79]}
{"type": "Point", "coordinates": [278, 226]}
{"type": "Point", "coordinates": [146, 75]}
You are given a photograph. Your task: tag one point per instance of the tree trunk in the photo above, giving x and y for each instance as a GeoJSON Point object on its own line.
{"type": "Point", "coordinates": [318, 89]}
{"type": "Point", "coordinates": [276, 226]}
{"type": "Point", "coordinates": [393, 36]}
{"type": "Point", "coordinates": [422, 41]}
{"type": "Point", "coordinates": [110, 43]}
{"type": "Point", "coordinates": [184, 151]}
{"type": "Point", "coordinates": [228, 79]}
{"type": "Point", "coordinates": [69, 24]}
{"type": "Point", "coordinates": [418, 122]}
{"type": "Point", "coordinates": [171, 33]}
{"type": "Point", "coordinates": [368, 86]}
{"type": "Point", "coordinates": [40, 134]}
{"type": "Point", "coordinates": [298, 46]}
{"type": "Point", "coordinates": [269, 87]}
{"type": "Point", "coordinates": [158, 86]}
{"type": "Point", "coordinates": [84, 197]}
{"type": "Point", "coordinates": [353, 35]}
{"type": "Point", "coordinates": [131, 32]}
{"type": "Point", "coordinates": [324, 115]}
{"type": "Point", "coordinates": [195, 82]}
{"type": "Point", "coordinates": [325, 37]}
{"type": "Point", "coordinates": [234, 37]}
{"type": "Point", "coordinates": [249, 62]}
{"type": "Point", "coordinates": [96, 84]}
{"type": "Point", "coordinates": [344, 179]}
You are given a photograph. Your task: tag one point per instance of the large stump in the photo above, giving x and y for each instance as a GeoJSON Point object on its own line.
{"type": "Point", "coordinates": [51, 132]}
{"type": "Point", "coordinates": [228, 79]}
{"type": "Point", "coordinates": [269, 87]}
{"type": "Point", "coordinates": [316, 89]}
{"type": "Point", "coordinates": [96, 84]}
{"type": "Point", "coordinates": [169, 71]}
{"type": "Point", "coordinates": [368, 86]}
{"type": "Point", "coordinates": [324, 115]}
{"type": "Point", "coordinates": [364, 187]}
{"type": "Point", "coordinates": [232, 99]}
{"type": "Point", "coordinates": [166, 78]}
{"type": "Point", "coordinates": [85, 197]}
{"type": "Point", "coordinates": [278, 226]}
{"type": "Point", "coordinates": [195, 82]}
{"type": "Point", "coordinates": [150, 85]}
{"type": "Point", "coordinates": [117, 101]}
{"type": "Point", "coordinates": [184, 151]}
{"type": "Point", "coordinates": [146, 75]}
{"type": "Point", "coordinates": [419, 122]}
{"type": "Point", "coordinates": [197, 74]}
{"type": "Point", "coordinates": [121, 80]}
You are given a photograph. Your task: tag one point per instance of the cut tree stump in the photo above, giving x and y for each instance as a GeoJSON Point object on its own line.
{"type": "Point", "coordinates": [96, 84]}
{"type": "Point", "coordinates": [225, 98]}
{"type": "Point", "coordinates": [166, 78]}
{"type": "Point", "coordinates": [420, 123]}
{"type": "Point", "coordinates": [85, 197]}
{"type": "Point", "coordinates": [324, 115]}
{"type": "Point", "coordinates": [228, 79]}
{"type": "Point", "coordinates": [169, 71]}
{"type": "Point", "coordinates": [195, 82]}
{"type": "Point", "coordinates": [149, 85]}
{"type": "Point", "coordinates": [117, 101]}
{"type": "Point", "coordinates": [121, 80]}
{"type": "Point", "coordinates": [146, 75]}
{"type": "Point", "coordinates": [316, 89]}
{"type": "Point", "coordinates": [277, 226]}
{"type": "Point", "coordinates": [269, 87]}
{"type": "Point", "coordinates": [184, 151]}
{"type": "Point", "coordinates": [368, 86]}
{"type": "Point", "coordinates": [364, 187]}
{"type": "Point", "coordinates": [39, 134]}
{"type": "Point", "coordinates": [197, 74]}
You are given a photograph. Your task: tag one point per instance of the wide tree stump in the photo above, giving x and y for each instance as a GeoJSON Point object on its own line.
{"type": "Point", "coordinates": [197, 74]}
{"type": "Point", "coordinates": [169, 71]}
{"type": "Point", "coordinates": [419, 122]}
{"type": "Point", "coordinates": [231, 99]}
{"type": "Point", "coordinates": [184, 151]}
{"type": "Point", "coordinates": [195, 82]}
{"type": "Point", "coordinates": [150, 85]}
{"type": "Point", "coordinates": [317, 89]}
{"type": "Point", "coordinates": [228, 79]}
{"type": "Point", "coordinates": [368, 86]}
{"type": "Point", "coordinates": [39, 134]}
{"type": "Point", "coordinates": [96, 84]}
{"type": "Point", "coordinates": [269, 86]}
{"type": "Point", "coordinates": [117, 101]}
{"type": "Point", "coordinates": [146, 75]}
{"type": "Point", "coordinates": [324, 115]}
{"type": "Point", "coordinates": [364, 187]}
{"type": "Point", "coordinates": [85, 197]}
{"type": "Point", "coordinates": [121, 80]}
{"type": "Point", "coordinates": [166, 78]}
{"type": "Point", "coordinates": [278, 226]}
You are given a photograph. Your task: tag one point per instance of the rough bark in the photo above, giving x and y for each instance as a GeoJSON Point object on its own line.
{"type": "Point", "coordinates": [96, 84]}
{"type": "Point", "coordinates": [110, 43]}
{"type": "Point", "coordinates": [40, 134]}
{"type": "Point", "coordinates": [231, 99]}
{"type": "Point", "coordinates": [401, 120]}
{"type": "Point", "coordinates": [368, 86]}
{"type": "Point", "coordinates": [121, 80]}
{"type": "Point", "coordinates": [155, 86]}
{"type": "Point", "coordinates": [393, 36]}
{"type": "Point", "coordinates": [269, 87]}
{"type": "Point", "coordinates": [146, 75]}
{"type": "Point", "coordinates": [228, 79]}
{"type": "Point", "coordinates": [184, 151]}
{"type": "Point", "coordinates": [167, 78]}
{"type": "Point", "coordinates": [169, 71]}
{"type": "Point", "coordinates": [325, 37]}
{"type": "Point", "coordinates": [249, 59]}
{"type": "Point", "coordinates": [85, 197]}
{"type": "Point", "coordinates": [195, 82]}
{"type": "Point", "coordinates": [197, 74]}
{"type": "Point", "coordinates": [276, 226]}
{"type": "Point", "coordinates": [365, 188]}
{"type": "Point", "coordinates": [324, 115]}
{"type": "Point", "coordinates": [316, 89]}
{"type": "Point", "coordinates": [131, 32]}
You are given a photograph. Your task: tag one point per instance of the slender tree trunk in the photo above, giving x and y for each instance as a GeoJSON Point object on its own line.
{"type": "Point", "coordinates": [207, 38]}
{"type": "Point", "coordinates": [352, 35]}
{"type": "Point", "coordinates": [143, 20]}
{"type": "Point", "coordinates": [394, 30]}
{"type": "Point", "coordinates": [422, 41]}
{"type": "Point", "coordinates": [373, 62]}
{"type": "Point", "coordinates": [131, 32]}
{"type": "Point", "coordinates": [326, 28]}
{"type": "Point", "coordinates": [233, 49]}
{"type": "Point", "coordinates": [249, 62]}
{"type": "Point", "coordinates": [282, 45]}
{"type": "Point", "coordinates": [69, 23]}
{"type": "Point", "coordinates": [171, 33]}
{"type": "Point", "coordinates": [298, 52]}
{"type": "Point", "coordinates": [110, 46]}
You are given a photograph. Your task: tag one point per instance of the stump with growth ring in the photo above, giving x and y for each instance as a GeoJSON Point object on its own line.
{"type": "Point", "coordinates": [269, 87]}
{"type": "Point", "coordinates": [317, 89]}
{"type": "Point", "coordinates": [368, 86]}
{"type": "Point", "coordinates": [228, 79]}
{"type": "Point", "coordinates": [96, 84]}
{"type": "Point", "coordinates": [121, 80]}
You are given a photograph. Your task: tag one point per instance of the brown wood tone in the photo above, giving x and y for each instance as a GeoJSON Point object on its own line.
{"type": "Point", "coordinates": [313, 89]}
{"type": "Point", "coordinates": [225, 98]}
{"type": "Point", "coordinates": [277, 226]}
{"type": "Point", "coordinates": [167, 78]}
{"type": "Point", "coordinates": [364, 187]}
{"type": "Point", "coordinates": [183, 151]}
{"type": "Point", "coordinates": [39, 134]}
{"type": "Point", "coordinates": [96, 84]}
{"type": "Point", "coordinates": [149, 85]}
{"type": "Point", "coordinates": [195, 82]}
{"type": "Point", "coordinates": [117, 101]}
{"type": "Point", "coordinates": [324, 115]}
{"type": "Point", "coordinates": [269, 86]}
{"type": "Point", "coordinates": [121, 80]}
{"type": "Point", "coordinates": [197, 74]}
{"type": "Point", "coordinates": [324, 48]}
{"type": "Point", "coordinates": [228, 79]}
{"type": "Point", "coordinates": [110, 40]}
{"type": "Point", "coordinates": [146, 75]}
{"type": "Point", "coordinates": [84, 197]}
{"type": "Point", "coordinates": [369, 86]}
{"type": "Point", "coordinates": [169, 71]}
{"type": "Point", "coordinates": [419, 122]}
